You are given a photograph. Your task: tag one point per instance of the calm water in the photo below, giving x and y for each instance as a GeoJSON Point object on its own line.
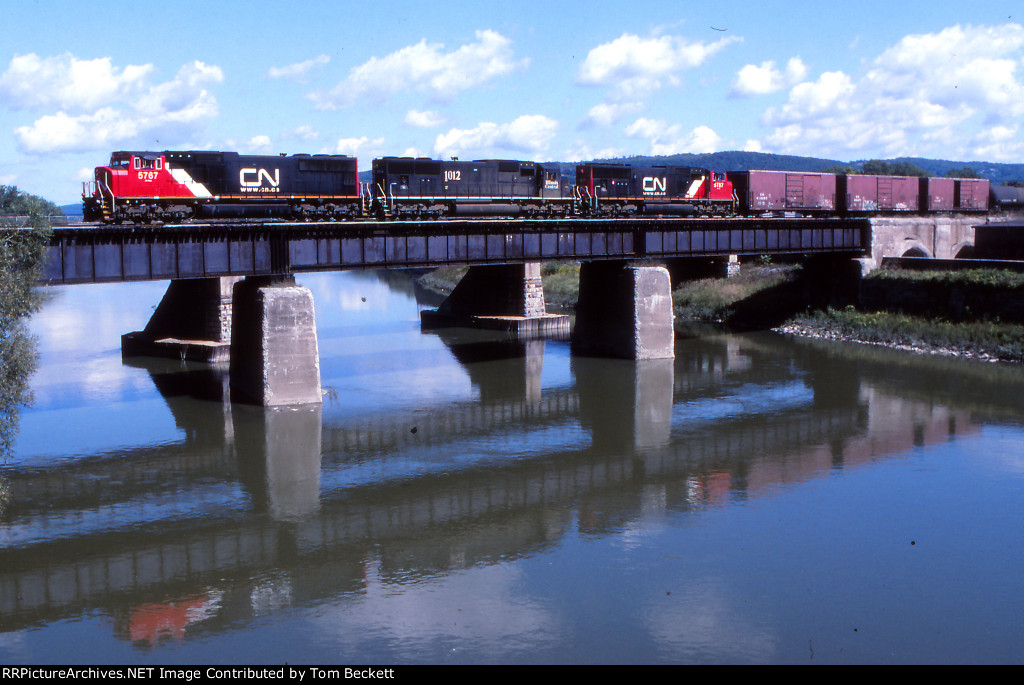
{"type": "Point", "coordinates": [464, 499]}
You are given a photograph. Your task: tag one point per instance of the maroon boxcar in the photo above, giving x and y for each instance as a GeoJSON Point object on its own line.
{"type": "Point", "coordinates": [971, 194]}
{"type": "Point", "coordinates": [863, 193]}
{"type": "Point", "coordinates": [937, 194]}
{"type": "Point", "coordinates": [783, 191]}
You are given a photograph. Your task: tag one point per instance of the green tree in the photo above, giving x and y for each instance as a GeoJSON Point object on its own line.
{"type": "Point", "coordinates": [16, 202]}
{"type": "Point", "coordinates": [908, 169]}
{"type": "Point", "coordinates": [22, 249]}
{"type": "Point", "coordinates": [880, 167]}
{"type": "Point", "coordinates": [840, 169]}
{"type": "Point", "coordinates": [876, 167]}
{"type": "Point", "coordinates": [965, 172]}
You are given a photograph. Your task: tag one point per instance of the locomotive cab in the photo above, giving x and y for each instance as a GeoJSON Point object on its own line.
{"type": "Point", "coordinates": [120, 190]}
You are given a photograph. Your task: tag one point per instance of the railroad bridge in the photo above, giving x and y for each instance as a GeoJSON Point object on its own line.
{"type": "Point", "coordinates": [233, 297]}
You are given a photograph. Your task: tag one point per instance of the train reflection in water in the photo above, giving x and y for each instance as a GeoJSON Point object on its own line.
{"type": "Point", "coordinates": [258, 510]}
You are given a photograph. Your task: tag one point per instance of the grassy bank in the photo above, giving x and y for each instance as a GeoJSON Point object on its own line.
{"type": "Point", "coordinates": [758, 297]}
{"type": "Point", "coordinates": [979, 339]}
{"type": "Point", "coordinates": [766, 296]}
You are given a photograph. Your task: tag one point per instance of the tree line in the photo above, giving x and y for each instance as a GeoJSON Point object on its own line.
{"type": "Point", "coordinates": [881, 167]}
{"type": "Point", "coordinates": [22, 250]}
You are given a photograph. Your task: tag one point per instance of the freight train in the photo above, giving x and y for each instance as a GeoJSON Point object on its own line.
{"type": "Point", "coordinates": [177, 186]}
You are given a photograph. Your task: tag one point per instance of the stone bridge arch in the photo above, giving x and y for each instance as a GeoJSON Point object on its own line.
{"type": "Point", "coordinates": [913, 247]}
{"type": "Point", "coordinates": [963, 250]}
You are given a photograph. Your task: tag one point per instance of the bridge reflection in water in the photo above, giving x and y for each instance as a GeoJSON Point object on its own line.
{"type": "Point", "coordinates": [257, 510]}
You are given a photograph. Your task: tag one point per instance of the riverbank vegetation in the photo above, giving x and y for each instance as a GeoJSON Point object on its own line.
{"type": "Point", "coordinates": [22, 248]}
{"type": "Point", "coordinates": [990, 340]}
{"type": "Point", "coordinates": [977, 312]}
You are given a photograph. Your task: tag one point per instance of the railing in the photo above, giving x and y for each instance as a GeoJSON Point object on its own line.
{"type": "Point", "coordinates": [22, 220]}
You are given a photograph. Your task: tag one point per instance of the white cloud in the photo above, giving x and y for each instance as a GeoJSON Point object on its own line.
{"type": "Point", "coordinates": [424, 67]}
{"type": "Point", "coordinates": [998, 143]}
{"type": "Point", "coordinates": [529, 134]}
{"type": "Point", "coordinates": [133, 107]}
{"type": "Point", "coordinates": [606, 114]}
{"type": "Point", "coordinates": [298, 70]}
{"type": "Point", "coordinates": [761, 80]}
{"type": "Point", "coordinates": [635, 66]}
{"type": "Point", "coordinates": [68, 83]}
{"type": "Point", "coordinates": [425, 119]}
{"type": "Point", "coordinates": [304, 132]}
{"type": "Point", "coordinates": [917, 97]}
{"type": "Point", "coordinates": [61, 132]}
{"type": "Point", "coordinates": [258, 144]}
{"type": "Point", "coordinates": [357, 146]}
{"type": "Point", "coordinates": [668, 139]}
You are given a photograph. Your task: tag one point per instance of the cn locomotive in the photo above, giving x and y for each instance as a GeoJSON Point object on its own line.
{"type": "Point", "coordinates": [178, 186]}
{"type": "Point", "coordinates": [170, 186]}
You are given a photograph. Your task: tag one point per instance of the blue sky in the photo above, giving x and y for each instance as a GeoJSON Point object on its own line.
{"type": "Point", "coordinates": [530, 80]}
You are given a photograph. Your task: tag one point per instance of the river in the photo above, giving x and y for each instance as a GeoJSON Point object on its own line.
{"type": "Point", "coordinates": [460, 498]}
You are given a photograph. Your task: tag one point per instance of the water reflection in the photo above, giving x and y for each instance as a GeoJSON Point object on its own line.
{"type": "Point", "coordinates": [506, 509]}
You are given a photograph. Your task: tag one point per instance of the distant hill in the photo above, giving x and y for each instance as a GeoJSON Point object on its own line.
{"type": "Point", "coordinates": [994, 171]}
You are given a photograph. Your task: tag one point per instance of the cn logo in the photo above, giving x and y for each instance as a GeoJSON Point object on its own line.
{"type": "Point", "coordinates": [253, 178]}
{"type": "Point", "coordinates": [653, 185]}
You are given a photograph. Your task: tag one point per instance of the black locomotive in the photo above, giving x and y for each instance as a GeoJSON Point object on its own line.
{"type": "Point", "coordinates": [422, 188]}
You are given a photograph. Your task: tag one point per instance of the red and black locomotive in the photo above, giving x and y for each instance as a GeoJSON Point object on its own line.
{"type": "Point", "coordinates": [625, 189]}
{"type": "Point", "coordinates": [175, 186]}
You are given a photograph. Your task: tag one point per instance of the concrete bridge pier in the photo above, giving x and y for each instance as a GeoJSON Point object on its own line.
{"type": "Point", "coordinates": [624, 311]}
{"type": "Point", "coordinates": [192, 322]}
{"type": "Point", "coordinates": [506, 297]}
{"type": "Point", "coordinates": [275, 359]}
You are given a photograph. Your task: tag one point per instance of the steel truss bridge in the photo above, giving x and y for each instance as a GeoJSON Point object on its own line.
{"type": "Point", "coordinates": [96, 254]}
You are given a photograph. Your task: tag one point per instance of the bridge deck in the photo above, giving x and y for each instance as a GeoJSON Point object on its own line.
{"type": "Point", "coordinates": [90, 254]}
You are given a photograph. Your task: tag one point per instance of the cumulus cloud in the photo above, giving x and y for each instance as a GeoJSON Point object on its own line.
{"type": "Point", "coordinates": [606, 114]}
{"type": "Point", "coordinates": [259, 143]}
{"type": "Point", "coordinates": [915, 98]}
{"type": "Point", "coordinates": [998, 142]}
{"type": "Point", "coordinates": [304, 132]}
{"type": "Point", "coordinates": [529, 134]}
{"type": "Point", "coordinates": [426, 119]}
{"type": "Point", "coordinates": [425, 67]}
{"type": "Point", "coordinates": [68, 83]}
{"type": "Point", "coordinates": [761, 80]}
{"type": "Point", "coordinates": [633, 66]}
{"type": "Point", "coordinates": [668, 139]}
{"type": "Point", "coordinates": [357, 146]}
{"type": "Point", "coordinates": [99, 106]}
{"type": "Point", "coordinates": [298, 70]}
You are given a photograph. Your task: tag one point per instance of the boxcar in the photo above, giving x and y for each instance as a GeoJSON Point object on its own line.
{"type": "Point", "coordinates": [784, 191]}
{"type": "Point", "coordinates": [971, 194]}
{"type": "Point", "coordinates": [865, 193]}
{"type": "Point", "coordinates": [937, 194]}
